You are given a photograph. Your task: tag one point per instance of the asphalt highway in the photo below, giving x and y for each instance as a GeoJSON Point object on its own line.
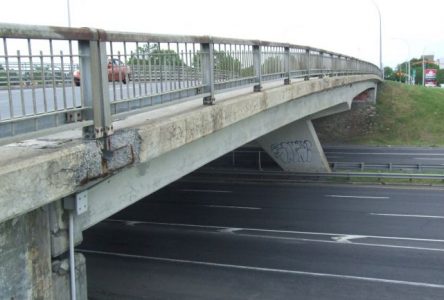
{"type": "Point", "coordinates": [204, 240]}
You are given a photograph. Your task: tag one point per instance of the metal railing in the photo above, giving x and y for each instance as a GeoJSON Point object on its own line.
{"type": "Point", "coordinates": [282, 176]}
{"type": "Point", "coordinates": [56, 76]}
{"type": "Point", "coordinates": [258, 159]}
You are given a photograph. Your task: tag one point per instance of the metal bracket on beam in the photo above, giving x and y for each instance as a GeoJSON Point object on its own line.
{"type": "Point", "coordinates": [209, 100]}
{"type": "Point", "coordinates": [257, 88]}
{"type": "Point", "coordinates": [78, 204]}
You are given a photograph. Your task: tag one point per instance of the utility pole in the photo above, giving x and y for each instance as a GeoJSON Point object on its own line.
{"type": "Point", "coordinates": [69, 13]}
{"type": "Point", "coordinates": [380, 39]}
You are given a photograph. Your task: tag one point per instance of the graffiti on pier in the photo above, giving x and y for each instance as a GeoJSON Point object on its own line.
{"type": "Point", "coordinates": [298, 151]}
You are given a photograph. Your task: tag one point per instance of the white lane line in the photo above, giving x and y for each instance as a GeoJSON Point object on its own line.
{"type": "Point", "coordinates": [233, 207]}
{"type": "Point", "coordinates": [131, 223]}
{"type": "Point", "coordinates": [387, 153]}
{"type": "Point", "coordinates": [356, 197]}
{"type": "Point", "coordinates": [270, 270]}
{"type": "Point", "coordinates": [428, 158]}
{"type": "Point", "coordinates": [347, 238]}
{"type": "Point", "coordinates": [337, 240]}
{"type": "Point", "coordinates": [229, 230]}
{"type": "Point", "coordinates": [204, 191]}
{"type": "Point", "coordinates": [407, 216]}
{"type": "Point", "coordinates": [278, 231]}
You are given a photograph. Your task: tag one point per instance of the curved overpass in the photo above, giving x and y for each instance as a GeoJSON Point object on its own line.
{"type": "Point", "coordinates": [264, 91]}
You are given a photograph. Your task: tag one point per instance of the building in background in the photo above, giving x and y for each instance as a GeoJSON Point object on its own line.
{"type": "Point", "coordinates": [430, 59]}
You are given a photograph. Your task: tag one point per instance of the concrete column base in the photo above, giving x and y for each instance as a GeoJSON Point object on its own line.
{"type": "Point", "coordinates": [61, 285]}
{"type": "Point", "coordinates": [26, 268]}
{"type": "Point", "coordinates": [25, 257]}
{"type": "Point", "coordinates": [296, 148]}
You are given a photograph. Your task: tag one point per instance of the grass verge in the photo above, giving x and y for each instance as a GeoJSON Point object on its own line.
{"type": "Point", "coordinates": [407, 115]}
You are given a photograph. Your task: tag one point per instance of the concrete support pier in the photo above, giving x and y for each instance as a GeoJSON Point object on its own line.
{"type": "Point", "coordinates": [296, 148]}
{"type": "Point", "coordinates": [28, 268]}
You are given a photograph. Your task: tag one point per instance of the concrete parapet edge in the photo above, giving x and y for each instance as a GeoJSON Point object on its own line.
{"type": "Point", "coordinates": [33, 176]}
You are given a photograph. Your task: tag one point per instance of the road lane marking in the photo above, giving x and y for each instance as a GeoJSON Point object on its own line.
{"type": "Point", "coordinates": [204, 191]}
{"type": "Point", "coordinates": [263, 269]}
{"type": "Point", "coordinates": [277, 231]}
{"type": "Point", "coordinates": [233, 207]}
{"type": "Point", "coordinates": [407, 216]}
{"type": "Point", "coordinates": [229, 230]}
{"type": "Point", "coordinates": [339, 242]}
{"type": "Point", "coordinates": [356, 197]}
{"type": "Point", "coordinates": [428, 158]}
{"type": "Point", "coordinates": [347, 238]}
{"type": "Point", "coordinates": [386, 153]}
{"type": "Point", "coordinates": [131, 223]}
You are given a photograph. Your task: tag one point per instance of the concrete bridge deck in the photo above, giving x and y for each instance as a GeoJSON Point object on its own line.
{"type": "Point", "coordinates": [37, 172]}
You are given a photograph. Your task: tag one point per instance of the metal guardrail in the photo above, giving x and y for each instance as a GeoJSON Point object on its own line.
{"type": "Point", "coordinates": [259, 159]}
{"type": "Point", "coordinates": [38, 91]}
{"type": "Point", "coordinates": [384, 167]}
{"type": "Point", "coordinates": [281, 175]}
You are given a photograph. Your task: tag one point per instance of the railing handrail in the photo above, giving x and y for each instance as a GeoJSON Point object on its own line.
{"type": "Point", "coordinates": [22, 31]}
{"type": "Point", "coordinates": [159, 68]}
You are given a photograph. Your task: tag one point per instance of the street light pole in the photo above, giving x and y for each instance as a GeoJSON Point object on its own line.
{"type": "Point", "coordinates": [380, 38]}
{"type": "Point", "coordinates": [69, 13]}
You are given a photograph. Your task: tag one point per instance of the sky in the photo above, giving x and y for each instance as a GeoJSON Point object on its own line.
{"type": "Point", "coordinates": [409, 27]}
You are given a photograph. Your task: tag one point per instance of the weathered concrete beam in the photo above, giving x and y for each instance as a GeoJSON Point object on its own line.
{"type": "Point", "coordinates": [33, 176]}
{"type": "Point", "coordinates": [132, 184]}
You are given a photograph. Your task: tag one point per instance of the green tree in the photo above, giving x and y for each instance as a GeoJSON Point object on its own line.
{"type": "Point", "coordinates": [389, 74]}
{"type": "Point", "coordinates": [151, 53]}
{"type": "Point", "coordinates": [272, 65]}
{"type": "Point", "coordinates": [222, 61]}
{"type": "Point", "coordinates": [226, 66]}
{"type": "Point", "coordinates": [440, 76]}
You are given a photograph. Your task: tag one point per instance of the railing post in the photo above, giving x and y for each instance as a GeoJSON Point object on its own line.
{"type": "Point", "coordinates": [338, 65]}
{"type": "Point", "coordinates": [321, 64]}
{"type": "Point", "coordinates": [308, 56]}
{"type": "Point", "coordinates": [94, 88]}
{"type": "Point", "coordinates": [257, 64]}
{"type": "Point", "coordinates": [208, 72]}
{"type": "Point", "coordinates": [287, 65]}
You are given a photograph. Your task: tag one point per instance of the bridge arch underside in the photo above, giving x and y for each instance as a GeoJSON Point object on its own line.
{"type": "Point", "coordinates": [295, 147]}
{"type": "Point", "coordinates": [228, 125]}
{"type": "Point", "coordinates": [130, 185]}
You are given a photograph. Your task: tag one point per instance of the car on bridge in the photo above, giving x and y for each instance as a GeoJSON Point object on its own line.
{"type": "Point", "coordinates": [117, 71]}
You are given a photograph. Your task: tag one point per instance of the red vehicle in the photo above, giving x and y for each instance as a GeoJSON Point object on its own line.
{"type": "Point", "coordinates": [117, 71]}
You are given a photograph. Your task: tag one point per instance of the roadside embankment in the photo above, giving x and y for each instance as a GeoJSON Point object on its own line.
{"type": "Point", "coordinates": [403, 115]}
